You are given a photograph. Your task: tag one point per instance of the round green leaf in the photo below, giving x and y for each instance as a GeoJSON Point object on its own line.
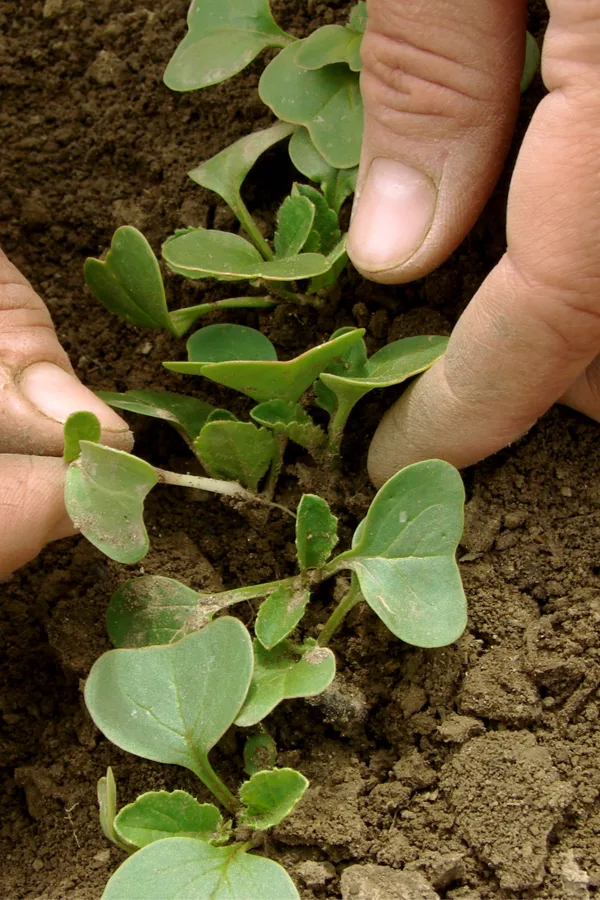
{"type": "Point", "coordinates": [221, 343]}
{"type": "Point", "coordinates": [80, 426]}
{"type": "Point", "coordinates": [173, 703]}
{"type": "Point", "coordinates": [336, 184]}
{"type": "Point", "coordinates": [105, 491]}
{"type": "Point", "coordinates": [280, 613]}
{"type": "Point", "coordinates": [295, 219]}
{"type": "Point", "coordinates": [280, 675]}
{"type": "Point", "coordinates": [326, 101]}
{"type": "Point", "coordinates": [270, 796]}
{"type": "Point", "coordinates": [222, 39]}
{"type": "Point", "coordinates": [316, 532]}
{"type": "Point", "coordinates": [235, 451]}
{"type": "Point", "coordinates": [330, 44]}
{"type": "Point", "coordinates": [187, 869]}
{"type": "Point", "coordinates": [162, 814]}
{"type": "Point", "coordinates": [404, 554]}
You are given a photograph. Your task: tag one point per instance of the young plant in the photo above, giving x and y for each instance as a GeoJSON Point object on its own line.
{"type": "Point", "coordinates": [172, 704]}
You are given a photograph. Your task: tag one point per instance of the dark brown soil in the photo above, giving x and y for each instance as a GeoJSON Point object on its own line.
{"type": "Point", "coordinates": [478, 765]}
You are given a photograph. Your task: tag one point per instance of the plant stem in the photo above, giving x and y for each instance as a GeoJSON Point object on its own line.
{"type": "Point", "coordinates": [336, 618]}
{"type": "Point", "coordinates": [276, 465]}
{"type": "Point", "coordinates": [251, 592]}
{"type": "Point", "coordinates": [279, 290]}
{"type": "Point", "coordinates": [218, 789]}
{"type": "Point", "coordinates": [337, 423]}
{"type": "Point", "coordinates": [183, 319]}
{"type": "Point", "coordinates": [216, 486]}
{"type": "Point", "coordinates": [251, 229]}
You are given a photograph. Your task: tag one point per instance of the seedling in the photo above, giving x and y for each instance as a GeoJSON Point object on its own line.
{"type": "Point", "coordinates": [172, 704]}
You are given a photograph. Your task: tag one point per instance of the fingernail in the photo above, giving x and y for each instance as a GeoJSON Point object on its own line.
{"type": "Point", "coordinates": [57, 394]}
{"type": "Point", "coordinates": [392, 215]}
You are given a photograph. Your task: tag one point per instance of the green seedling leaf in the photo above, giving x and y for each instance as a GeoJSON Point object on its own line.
{"type": "Point", "coordinates": [270, 796]}
{"type": "Point", "coordinates": [186, 414]}
{"type": "Point", "coordinates": [337, 261]}
{"type": "Point", "coordinates": [222, 39]}
{"type": "Point", "coordinates": [326, 227]}
{"type": "Point", "coordinates": [336, 184]}
{"type": "Point", "coordinates": [157, 610]}
{"type": "Point", "coordinates": [235, 451]}
{"type": "Point", "coordinates": [280, 674]}
{"type": "Point", "coordinates": [351, 363]}
{"type": "Point", "coordinates": [160, 814]}
{"type": "Point", "coordinates": [280, 613]}
{"type": "Point", "coordinates": [357, 20]}
{"type": "Point", "coordinates": [107, 801]}
{"type": "Point", "coordinates": [295, 219]}
{"type": "Point", "coordinates": [183, 319]}
{"type": "Point", "coordinates": [403, 554]}
{"type": "Point", "coordinates": [326, 101]}
{"type": "Point", "coordinates": [273, 380]}
{"type": "Point", "coordinates": [172, 703]}
{"type": "Point", "coordinates": [290, 420]}
{"type": "Point", "coordinates": [105, 491]}
{"type": "Point", "coordinates": [80, 426]}
{"type": "Point", "coordinates": [187, 869]}
{"type": "Point", "coordinates": [129, 282]}
{"type": "Point", "coordinates": [221, 415]}
{"type": "Point", "coordinates": [260, 752]}
{"type": "Point", "coordinates": [532, 62]}
{"type": "Point", "coordinates": [330, 44]}
{"type": "Point", "coordinates": [197, 253]}
{"type": "Point", "coordinates": [316, 532]}
{"type": "Point", "coordinates": [223, 343]}
{"type": "Point", "coordinates": [225, 173]}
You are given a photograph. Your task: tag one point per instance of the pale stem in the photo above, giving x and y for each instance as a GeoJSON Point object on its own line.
{"type": "Point", "coordinates": [337, 424]}
{"type": "Point", "coordinates": [336, 618]}
{"type": "Point", "coordinates": [217, 486]}
{"type": "Point", "coordinates": [218, 789]}
{"type": "Point", "coordinates": [252, 229]}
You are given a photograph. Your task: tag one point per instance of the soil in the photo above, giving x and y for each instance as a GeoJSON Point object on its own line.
{"type": "Point", "coordinates": [469, 772]}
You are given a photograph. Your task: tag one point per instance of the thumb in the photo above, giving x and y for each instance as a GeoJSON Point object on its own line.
{"type": "Point", "coordinates": [38, 387]}
{"type": "Point", "coordinates": [32, 510]}
{"type": "Point", "coordinates": [440, 84]}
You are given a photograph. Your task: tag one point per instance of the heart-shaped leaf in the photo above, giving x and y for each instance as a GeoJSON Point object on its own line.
{"type": "Point", "coordinates": [280, 674]}
{"type": "Point", "coordinates": [270, 796]}
{"type": "Point", "coordinates": [129, 282]}
{"type": "Point", "coordinates": [163, 814]}
{"type": "Point", "coordinates": [222, 39]}
{"type": "Point", "coordinates": [316, 532]}
{"type": "Point", "coordinates": [235, 451]}
{"type": "Point", "coordinates": [326, 101]}
{"type": "Point", "coordinates": [80, 426]}
{"type": "Point", "coordinates": [173, 703]}
{"type": "Point", "coordinates": [404, 554]}
{"type": "Point", "coordinates": [226, 342]}
{"type": "Point", "coordinates": [280, 613]}
{"type": "Point", "coordinates": [330, 44]}
{"type": "Point", "coordinates": [196, 253]}
{"type": "Point", "coordinates": [270, 380]}
{"type": "Point", "coordinates": [336, 184]}
{"type": "Point", "coordinates": [186, 414]}
{"type": "Point", "coordinates": [187, 869]}
{"type": "Point", "coordinates": [105, 491]}
{"type": "Point", "coordinates": [295, 219]}
{"type": "Point", "coordinates": [225, 173]}
{"type": "Point", "coordinates": [290, 420]}
{"type": "Point", "coordinates": [260, 752]}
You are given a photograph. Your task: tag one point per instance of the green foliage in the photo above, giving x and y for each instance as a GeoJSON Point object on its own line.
{"type": "Point", "coordinates": [107, 802]}
{"type": "Point", "coordinates": [186, 414]}
{"type": "Point", "coordinates": [325, 233]}
{"type": "Point", "coordinates": [223, 343]}
{"type": "Point", "coordinates": [326, 101]}
{"type": "Point", "coordinates": [280, 613]}
{"type": "Point", "coordinates": [104, 496]}
{"type": "Point", "coordinates": [172, 703]}
{"type": "Point", "coordinates": [160, 814]}
{"type": "Point", "coordinates": [316, 532]}
{"type": "Point", "coordinates": [197, 252]}
{"type": "Point", "coordinates": [129, 282]}
{"type": "Point", "coordinates": [330, 44]}
{"type": "Point", "coordinates": [336, 184]}
{"type": "Point", "coordinates": [235, 451]}
{"type": "Point", "coordinates": [183, 867]}
{"type": "Point", "coordinates": [284, 672]}
{"type": "Point", "coordinates": [269, 379]}
{"type": "Point", "coordinates": [290, 420]}
{"type": "Point", "coordinates": [223, 37]}
{"type": "Point", "coordinates": [532, 61]}
{"type": "Point", "coordinates": [403, 554]}
{"type": "Point", "coordinates": [80, 426]}
{"type": "Point", "coordinates": [270, 796]}
{"type": "Point", "coordinates": [295, 219]}
{"type": "Point", "coordinates": [260, 752]}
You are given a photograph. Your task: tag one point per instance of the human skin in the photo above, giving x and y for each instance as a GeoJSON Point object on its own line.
{"type": "Point", "coordinates": [440, 84]}
{"type": "Point", "coordinates": [441, 89]}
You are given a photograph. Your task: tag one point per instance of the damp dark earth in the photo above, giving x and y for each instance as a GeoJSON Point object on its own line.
{"type": "Point", "coordinates": [469, 772]}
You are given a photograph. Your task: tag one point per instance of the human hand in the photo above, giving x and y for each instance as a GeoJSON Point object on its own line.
{"type": "Point", "coordinates": [441, 89]}
{"type": "Point", "coordinates": [38, 391]}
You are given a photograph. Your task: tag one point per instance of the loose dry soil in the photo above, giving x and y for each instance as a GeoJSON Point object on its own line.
{"type": "Point", "coordinates": [470, 772]}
